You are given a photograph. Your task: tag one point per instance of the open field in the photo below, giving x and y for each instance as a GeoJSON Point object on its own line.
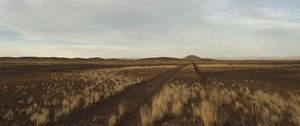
{"type": "Point", "coordinates": [240, 95]}
{"type": "Point", "coordinates": [148, 92]}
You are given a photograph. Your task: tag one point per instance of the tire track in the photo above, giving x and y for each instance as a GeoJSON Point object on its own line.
{"type": "Point", "coordinates": [132, 97]}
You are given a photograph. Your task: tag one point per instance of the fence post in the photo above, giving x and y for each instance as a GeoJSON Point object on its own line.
{"type": "Point", "coordinates": [254, 113]}
{"type": "Point", "coordinates": [219, 107]}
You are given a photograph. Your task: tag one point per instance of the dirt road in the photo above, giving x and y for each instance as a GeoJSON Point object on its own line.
{"type": "Point", "coordinates": [132, 98]}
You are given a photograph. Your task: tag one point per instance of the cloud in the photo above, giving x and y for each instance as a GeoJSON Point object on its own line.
{"type": "Point", "coordinates": [141, 28]}
{"type": "Point", "coordinates": [6, 35]}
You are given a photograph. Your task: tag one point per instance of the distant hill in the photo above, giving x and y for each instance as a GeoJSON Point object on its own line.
{"type": "Point", "coordinates": [192, 58]}
{"type": "Point", "coordinates": [49, 58]}
{"type": "Point", "coordinates": [261, 58]}
{"type": "Point", "coordinates": [160, 58]}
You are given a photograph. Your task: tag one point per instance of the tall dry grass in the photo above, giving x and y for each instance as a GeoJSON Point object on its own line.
{"type": "Point", "coordinates": [113, 119]}
{"type": "Point", "coordinates": [66, 92]}
{"type": "Point", "coordinates": [169, 102]}
{"type": "Point", "coordinates": [245, 107]}
{"type": "Point", "coordinates": [222, 104]}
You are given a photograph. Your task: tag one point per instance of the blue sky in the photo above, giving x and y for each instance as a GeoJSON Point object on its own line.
{"type": "Point", "coordinates": [146, 28]}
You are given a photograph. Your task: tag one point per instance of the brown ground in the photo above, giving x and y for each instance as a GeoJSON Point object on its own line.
{"type": "Point", "coordinates": [267, 75]}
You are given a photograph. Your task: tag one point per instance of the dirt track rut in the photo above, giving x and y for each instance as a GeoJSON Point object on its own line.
{"type": "Point", "coordinates": [132, 97]}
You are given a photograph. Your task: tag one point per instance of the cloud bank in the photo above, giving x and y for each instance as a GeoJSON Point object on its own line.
{"type": "Point", "coordinates": [144, 28]}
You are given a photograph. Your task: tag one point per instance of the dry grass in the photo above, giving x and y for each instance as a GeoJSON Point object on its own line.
{"type": "Point", "coordinates": [8, 115]}
{"type": "Point", "coordinates": [237, 102]}
{"type": "Point", "coordinates": [41, 117]}
{"type": "Point", "coordinates": [113, 119]}
{"type": "Point", "coordinates": [222, 104]}
{"type": "Point", "coordinates": [170, 101]}
{"type": "Point", "coordinates": [206, 111]}
{"type": "Point", "coordinates": [231, 105]}
{"type": "Point", "coordinates": [63, 92]}
{"type": "Point", "coordinates": [105, 83]}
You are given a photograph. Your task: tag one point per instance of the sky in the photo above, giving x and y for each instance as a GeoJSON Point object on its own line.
{"type": "Point", "coordinates": [149, 28]}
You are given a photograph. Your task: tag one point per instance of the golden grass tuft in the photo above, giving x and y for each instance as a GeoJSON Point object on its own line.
{"type": "Point", "coordinates": [169, 101]}
{"type": "Point", "coordinates": [205, 111]}
{"type": "Point", "coordinates": [41, 117]}
{"type": "Point", "coordinates": [8, 115]}
{"type": "Point", "coordinates": [112, 120]}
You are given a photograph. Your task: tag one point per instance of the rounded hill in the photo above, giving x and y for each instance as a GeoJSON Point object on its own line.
{"type": "Point", "coordinates": [192, 57]}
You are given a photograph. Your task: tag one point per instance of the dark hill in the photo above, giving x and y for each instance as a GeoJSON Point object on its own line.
{"type": "Point", "coordinates": [192, 58]}
{"type": "Point", "coordinates": [161, 58]}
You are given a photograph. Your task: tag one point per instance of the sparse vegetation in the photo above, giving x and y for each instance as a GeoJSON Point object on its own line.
{"type": "Point", "coordinates": [62, 93]}
{"type": "Point", "coordinates": [235, 95]}
{"type": "Point", "coordinates": [232, 104]}
{"type": "Point", "coordinates": [170, 101]}
{"type": "Point", "coordinates": [113, 119]}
